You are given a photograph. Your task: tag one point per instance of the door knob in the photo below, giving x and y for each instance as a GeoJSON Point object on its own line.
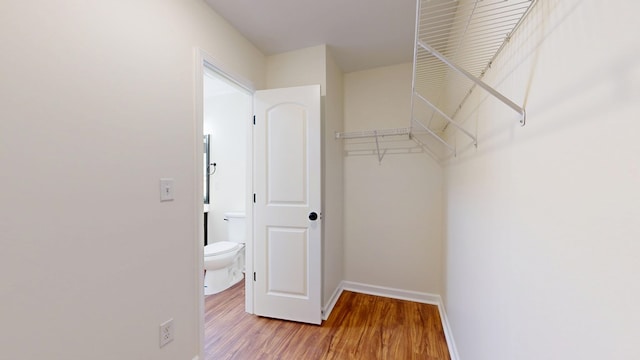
{"type": "Point", "coordinates": [313, 216]}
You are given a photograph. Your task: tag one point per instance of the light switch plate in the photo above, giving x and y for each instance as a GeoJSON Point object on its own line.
{"type": "Point", "coordinates": [166, 189]}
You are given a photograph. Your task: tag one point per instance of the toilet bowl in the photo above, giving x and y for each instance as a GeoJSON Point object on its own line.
{"type": "Point", "coordinates": [224, 260]}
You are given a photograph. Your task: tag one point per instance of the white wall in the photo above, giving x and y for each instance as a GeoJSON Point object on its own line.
{"type": "Point", "coordinates": [297, 68]}
{"type": "Point", "coordinates": [542, 221]}
{"type": "Point", "coordinates": [333, 181]}
{"type": "Point", "coordinates": [97, 104]}
{"type": "Point", "coordinates": [227, 117]}
{"type": "Point", "coordinates": [311, 66]}
{"type": "Point", "coordinates": [393, 222]}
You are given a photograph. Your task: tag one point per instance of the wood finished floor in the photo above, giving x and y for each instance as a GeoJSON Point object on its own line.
{"type": "Point", "coordinates": [359, 327]}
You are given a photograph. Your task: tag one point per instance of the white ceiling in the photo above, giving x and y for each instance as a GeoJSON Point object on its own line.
{"type": "Point", "coordinates": [361, 34]}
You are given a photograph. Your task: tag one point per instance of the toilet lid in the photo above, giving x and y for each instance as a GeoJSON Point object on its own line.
{"type": "Point", "coordinates": [219, 248]}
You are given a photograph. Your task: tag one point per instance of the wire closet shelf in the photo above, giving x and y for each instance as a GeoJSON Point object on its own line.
{"type": "Point", "coordinates": [456, 43]}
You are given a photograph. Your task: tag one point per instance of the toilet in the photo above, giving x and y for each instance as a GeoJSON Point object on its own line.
{"type": "Point", "coordinates": [224, 260]}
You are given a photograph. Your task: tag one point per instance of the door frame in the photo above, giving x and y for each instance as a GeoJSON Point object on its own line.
{"type": "Point", "coordinates": [202, 60]}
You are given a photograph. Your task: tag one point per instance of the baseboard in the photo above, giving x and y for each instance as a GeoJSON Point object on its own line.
{"type": "Point", "coordinates": [448, 334]}
{"type": "Point", "coordinates": [393, 293]}
{"type": "Point", "coordinates": [326, 310]}
{"type": "Point", "coordinates": [421, 297]}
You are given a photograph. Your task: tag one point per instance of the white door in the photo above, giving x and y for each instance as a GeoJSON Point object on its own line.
{"type": "Point", "coordinates": [287, 232]}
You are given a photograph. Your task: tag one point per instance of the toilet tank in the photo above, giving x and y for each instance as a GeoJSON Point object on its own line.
{"type": "Point", "coordinates": [235, 226]}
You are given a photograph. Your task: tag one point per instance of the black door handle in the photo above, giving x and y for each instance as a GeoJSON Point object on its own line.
{"type": "Point", "coordinates": [313, 216]}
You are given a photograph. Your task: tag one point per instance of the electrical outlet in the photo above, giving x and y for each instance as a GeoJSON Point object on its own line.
{"type": "Point", "coordinates": [166, 332]}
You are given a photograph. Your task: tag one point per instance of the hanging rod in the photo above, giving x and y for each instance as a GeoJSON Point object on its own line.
{"type": "Point", "coordinates": [416, 149]}
{"type": "Point", "coordinates": [373, 133]}
{"type": "Point", "coordinates": [376, 134]}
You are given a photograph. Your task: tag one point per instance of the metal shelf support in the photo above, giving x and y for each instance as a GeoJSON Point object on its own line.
{"type": "Point", "coordinates": [477, 81]}
{"type": "Point", "coordinates": [450, 120]}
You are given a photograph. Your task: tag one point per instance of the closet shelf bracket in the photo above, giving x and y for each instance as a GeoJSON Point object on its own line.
{"type": "Point", "coordinates": [436, 136]}
{"type": "Point", "coordinates": [446, 117]}
{"type": "Point", "coordinates": [380, 156]}
{"type": "Point", "coordinates": [519, 109]}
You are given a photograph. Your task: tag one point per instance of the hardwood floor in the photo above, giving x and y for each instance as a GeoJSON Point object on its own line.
{"type": "Point", "coordinates": [359, 327]}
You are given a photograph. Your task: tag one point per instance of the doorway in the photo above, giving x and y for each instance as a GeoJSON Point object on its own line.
{"type": "Point", "coordinates": [281, 170]}
{"type": "Point", "coordinates": [224, 112]}
{"type": "Point", "coordinates": [227, 111]}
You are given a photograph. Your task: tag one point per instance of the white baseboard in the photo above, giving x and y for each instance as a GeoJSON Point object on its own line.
{"type": "Point", "coordinates": [399, 294]}
{"type": "Point", "coordinates": [448, 334]}
{"type": "Point", "coordinates": [326, 310]}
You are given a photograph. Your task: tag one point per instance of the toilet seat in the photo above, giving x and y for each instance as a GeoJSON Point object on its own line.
{"type": "Point", "coordinates": [220, 248]}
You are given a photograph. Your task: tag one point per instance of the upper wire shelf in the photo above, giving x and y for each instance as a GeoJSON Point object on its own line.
{"type": "Point", "coordinates": [457, 41]}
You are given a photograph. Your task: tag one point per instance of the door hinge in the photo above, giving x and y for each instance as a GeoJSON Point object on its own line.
{"type": "Point", "coordinates": [254, 119]}
{"type": "Point", "coordinates": [254, 276]}
{"type": "Point", "coordinates": [254, 198]}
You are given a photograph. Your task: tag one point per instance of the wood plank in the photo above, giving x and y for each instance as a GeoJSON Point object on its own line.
{"type": "Point", "coordinates": [360, 327]}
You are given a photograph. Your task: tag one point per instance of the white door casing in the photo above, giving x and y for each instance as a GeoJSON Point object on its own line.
{"type": "Point", "coordinates": [287, 186]}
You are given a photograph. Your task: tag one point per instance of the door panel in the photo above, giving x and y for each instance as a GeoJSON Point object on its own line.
{"type": "Point", "coordinates": [287, 278]}
{"type": "Point", "coordinates": [287, 257]}
{"type": "Point", "coordinates": [287, 155]}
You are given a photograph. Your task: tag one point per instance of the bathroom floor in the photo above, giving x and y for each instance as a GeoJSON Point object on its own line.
{"type": "Point", "coordinates": [360, 327]}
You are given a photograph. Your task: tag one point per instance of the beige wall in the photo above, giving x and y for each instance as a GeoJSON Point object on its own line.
{"type": "Point", "coordinates": [393, 223]}
{"type": "Point", "coordinates": [297, 68]}
{"type": "Point", "coordinates": [310, 66]}
{"type": "Point", "coordinates": [333, 182]}
{"type": "Point", "coordinates": [542, 221]}
{"type": "Point", "coordinates": [96, 105]}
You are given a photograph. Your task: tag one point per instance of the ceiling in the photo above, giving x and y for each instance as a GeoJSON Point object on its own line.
{"type": "Point", "coordinates": [361, 34]}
